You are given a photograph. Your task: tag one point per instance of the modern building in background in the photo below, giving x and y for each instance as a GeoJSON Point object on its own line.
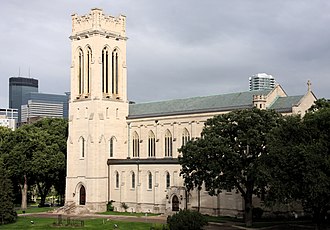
{"type": "Point", "coordinates": [19, 87]}
{"type": "Point", "coordinates": [32, 105]}
{"type": "Point", "coordinates": [42, 105]}
{"type": "Point", "coordinates": [261, 81]}
{"type": "Point", "coordinates": [8, 118]}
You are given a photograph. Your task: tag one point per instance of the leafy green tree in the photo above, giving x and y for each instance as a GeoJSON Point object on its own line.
{"type": "Point", "coordinates": [227, 156]}
{"type": "Point", "coordinates": [7, 211]}
{"type": "Point", "coordinates": [299, 162]}
{"type": "Point", "coordinates": [35, 155]}
{"type": "Point", "coordinates": [17, 152]}
{"type": "Point", "coordinates": [319, 104]}
{"type": "Point", "coordinates": [49, 160]}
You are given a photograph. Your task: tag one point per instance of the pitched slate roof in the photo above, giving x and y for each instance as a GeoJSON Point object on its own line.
{"type": "Point", "coordinates": [224, 102]}
{"type": "Point", "coordinates": [285, 104]}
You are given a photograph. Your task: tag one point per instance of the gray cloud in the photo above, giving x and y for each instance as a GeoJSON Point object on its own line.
{"type": "Point", "coordinates": [177, 48]}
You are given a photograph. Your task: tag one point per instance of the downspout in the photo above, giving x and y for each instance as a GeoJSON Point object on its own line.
{"type": "Point", "coordinates": [138, 182]}
{"type": "Point", "coordinates": [128, 140]}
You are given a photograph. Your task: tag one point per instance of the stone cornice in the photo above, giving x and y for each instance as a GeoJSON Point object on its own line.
{"type": "Point", "coordinates": [145, 161]}
{"type": "Point", "coordinates": [86, 34]}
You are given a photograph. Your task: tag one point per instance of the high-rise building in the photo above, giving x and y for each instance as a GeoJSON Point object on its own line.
{"type": "Point", "coordinates": [42, 105]}
{"type": "Point", "coordinates": [8, 118]}
{"type": "Point", "coordinates": [261, 81]}
{"type": "Point", "coordinates": [19, 87]}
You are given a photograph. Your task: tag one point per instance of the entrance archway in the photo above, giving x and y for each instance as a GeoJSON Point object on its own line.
{"type": "Point", "coordinates": [175, 203]}
{"type": "Point", "coordinates": [82, 195]}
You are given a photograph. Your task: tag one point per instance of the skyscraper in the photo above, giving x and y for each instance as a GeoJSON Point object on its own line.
{"type": "Point", "coordinates": [19, 87]}
{"type": "Point", "coordinates": [261, 81]}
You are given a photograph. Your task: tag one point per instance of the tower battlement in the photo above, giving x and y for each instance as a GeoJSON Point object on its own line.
{"type": "Point", "coordinates": [97, 22]}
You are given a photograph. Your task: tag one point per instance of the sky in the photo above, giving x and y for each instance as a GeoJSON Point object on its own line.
{"type": "Point", "coordinates": [176, 48]}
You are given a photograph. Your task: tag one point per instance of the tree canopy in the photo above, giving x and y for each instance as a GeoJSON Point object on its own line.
{"type": "Point", "coordinates": [34, 154]}
{"type": "Point", "coordinates": [227, 156]}
{"type": "Point", "coordinates": [299, 162]}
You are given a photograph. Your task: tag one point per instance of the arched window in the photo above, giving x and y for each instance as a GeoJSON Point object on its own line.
{"type": "Point", "coordinates": [151, 144]}
{"type": "Point", "coordinates": [111, 146]}
{"type": "Point", "coordinates": [133, 180]}
{"type": "Point", "coordinates": [80, 72]}
{"type": "Point", "coordinates": [88, 69]}
{"type": "Point", "coordinates": [82, 147]}
{"type": "Point", "coordinates": [168, 180]}
{"type": "Point", "coordinates": [136, 145]}
{"type": "Point", "coordinates": [117, 179]}
{"type": "Point", "coordinates": [168, 144]}
{"type": "Point", "coordinates": [149, 180]}
{"type": "Point", "coordinates": [105, 70]}
{"type": "Point", "coordinates": [115, 74]}
{"type": "Point", "coordinates": [185, 137]}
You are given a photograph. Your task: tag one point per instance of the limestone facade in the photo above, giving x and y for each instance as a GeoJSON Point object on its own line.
{"type": "Point", "coordinates": [127, 153]}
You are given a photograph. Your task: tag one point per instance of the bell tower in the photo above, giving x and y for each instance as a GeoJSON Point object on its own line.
{"type": "Point", "coordinates": [98, 106]}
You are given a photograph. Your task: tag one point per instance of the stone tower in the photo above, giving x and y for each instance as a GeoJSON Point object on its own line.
{"type": "Point", "coordinates": [98, 106]}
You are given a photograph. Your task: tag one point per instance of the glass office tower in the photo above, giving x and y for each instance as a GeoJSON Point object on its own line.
{"type": "Point", "coordinates": [19, 87]}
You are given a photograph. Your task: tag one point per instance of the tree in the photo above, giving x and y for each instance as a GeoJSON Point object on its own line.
{"type": "Point", "coordinates": [227, 156]}
{"type": "Point", "coordinates": [50, 160]}
{"type": "Point", "coordinates": [7, 211]}
{"type": "Point", "coordinates": [17, 151]}
{"type": "Point", "coordinates": [35, 155]}
{"type": "Point", "coordinates": [299, 162]}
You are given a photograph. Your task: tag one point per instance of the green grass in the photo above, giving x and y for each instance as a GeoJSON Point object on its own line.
{"type": "Point", "coordinates": [223, 219]}
{"type": "Point", "coordinates": [127, 213]}
{"type": "Point", "coordinates": [24, 222]}
{"type": "Point", "coordinates": [35, 209]}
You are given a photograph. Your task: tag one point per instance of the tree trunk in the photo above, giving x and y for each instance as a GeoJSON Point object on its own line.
{"type": "Point", "coordinates": [199, 199]}
{"type": "Point", "coordinates": [24, 189]}
{"type": "Point", "coordinates": [248, 208]}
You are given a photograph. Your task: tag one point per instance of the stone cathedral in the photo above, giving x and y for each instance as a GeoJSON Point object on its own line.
{"type": "Point", "coordinates": [122, 152]}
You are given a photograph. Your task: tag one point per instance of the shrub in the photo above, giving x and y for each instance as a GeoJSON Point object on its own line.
{"type": "Point", "coordinates": [124, 206]}
{"type": "Point", "coordinates": [109, 206]}
{"type": "Point", "coordinates": [186, 220]}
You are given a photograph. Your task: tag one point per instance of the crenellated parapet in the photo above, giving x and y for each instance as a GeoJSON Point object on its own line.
{"type": "Point", "coordinates": [97, 23]}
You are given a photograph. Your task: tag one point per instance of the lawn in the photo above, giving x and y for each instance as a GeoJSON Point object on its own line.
{"type": "Point", "coordinates": [35, 209]}
{"type": "Point", "coordinates": [24, 222]}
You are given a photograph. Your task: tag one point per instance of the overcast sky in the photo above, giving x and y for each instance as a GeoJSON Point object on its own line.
{"type": "Point", "coordinates": [177, 48]}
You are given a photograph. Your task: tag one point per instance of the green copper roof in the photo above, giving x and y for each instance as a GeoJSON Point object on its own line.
{"type": "Point", "coordinates": [222, 102]}
{"type": "Point", "coordinates": [286, 103]}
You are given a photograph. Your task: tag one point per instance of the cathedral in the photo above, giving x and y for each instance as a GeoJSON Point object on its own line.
{"type": "Point", "coordinates": [126, 153]}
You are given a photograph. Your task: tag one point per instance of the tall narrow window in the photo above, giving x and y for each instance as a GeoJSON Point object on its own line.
{"type": "Point", "coordinates": [82, 147]}
{"type": "Point", "coordinates": [115, 73]}
{"type": "Point", "coordinates": [80, 71]}
{"type": "Point", "coordinates": [88, 69]}
{"type": "Point", "coordinates": [185, 136]}
{"type": "Point", "coordinates": [136, 145]}
{"type": "Point", "coordinates": [117, 179]}
{"type": "Point", "coordinates": [149, 180]}
{"type": "Point", "coordinates": [151, 144]}
{"type": "Point", "coordinates": [168, 144]}
{"type": "Point", "coordinates": [105, 70]}
{"type": "Point", "coordinates": [111, 146]}
{"type": "Point", "coordinates": [133, 180]}
{"type": "Point", "coordinates": [168, 180]}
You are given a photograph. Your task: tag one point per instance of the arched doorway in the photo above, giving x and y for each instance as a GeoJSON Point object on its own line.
{"type": "Point", "coordinates": [175, 203]}
{"type": "Point", "coordinates": [82, 195]}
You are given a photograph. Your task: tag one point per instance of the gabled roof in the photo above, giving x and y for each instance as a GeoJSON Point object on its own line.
{"type": "Point", "coordinates": [224, 102]}
{"type": "Point", "coordinates": [285, 104]}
